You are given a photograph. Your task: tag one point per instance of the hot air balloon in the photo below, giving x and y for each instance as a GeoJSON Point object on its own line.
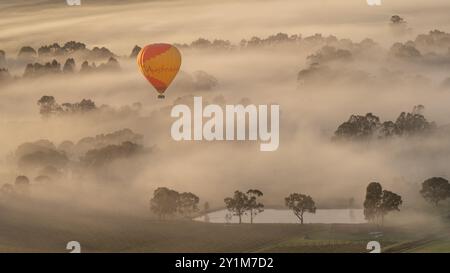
{"type": "Point", "coordinates": [160, 64]}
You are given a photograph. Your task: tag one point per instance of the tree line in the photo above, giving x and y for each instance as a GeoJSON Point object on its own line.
{"type": "Point", "coordinates": [377, 204]}
{"type": "Point", "coordinates": [367, 127]}
{"type": "Point", "coordinates": [167, 202]}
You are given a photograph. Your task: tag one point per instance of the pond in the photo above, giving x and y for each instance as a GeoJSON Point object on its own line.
{"type": "Point", "coordinates": [272, 216]}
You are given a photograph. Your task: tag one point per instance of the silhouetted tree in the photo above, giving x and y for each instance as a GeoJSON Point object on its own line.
{"type": "Point", "coordinates": [73, 46]}
{"type": "Point", "coordinates": [111, 65]}
{"type": "Point", "coordinates": [83, 106]}
{"type": "Point", "coordinates": [435, 41]}
{"type": "Point", "coordinates": [221, 44]}
{"type": "Point", "coordinates": [390, 202]}
{"type": "Point", "coordinates": [103, 140]}
{"type": "Point", "coordinates": [358, 127]}
{"type": "Point", "coordinates": [42, 145]}
{"type": "Point", "coordinates": [372, 202]}
{"type": "Point", "coordinates": [396, 19]}
{"type": "Point", "coordinates": [164, 202]}
{"type": "Point", "coordinates": [37, 69]}
{"type": "Point", "coordinates": [237, 204]}
{"type": "Point", "coordinates": [201, 43]}
{"type": "Point", "coordinates": [299, 204]}
{"type": "Point", "coordinates": [135, 51]}
{"type": "Point", "coordinates": [404, 51]}
{"type": "Point", "coordinates": [69, 66]}
{"type": "Point", "coordinates": [22, 184]}
{"type": "Point", "coordinates": [253, 205]}
{"type": "Point", "coordinates": [187, 203]}
{"type": "Point", "coordinates": [107, 154]}
{"type": "Point", "coordinates": [51, 50]}
{"type": "Point", "coordinates": [328, 54]}
{"type": "Point", "coordinates": [368, 126]}
{"type": "Point", "coordinates": [27, 52]}
{"type": "Point", "coordinates": [435, 189]}
{"type": "Point", "coordinates": [413, 123]}
{"type": "Point", "coordinates": [387, 129]}
{"type": "Point", "coordinates": [101, 53]}
{"type": "Point", "coordinates": [43, 158]}
{"type": "Point", "coordinates": [48, 106]}
{"type": "Point", "coordinates": [380, 202]}
{"type": "Point", "coordinates": [86, 68]}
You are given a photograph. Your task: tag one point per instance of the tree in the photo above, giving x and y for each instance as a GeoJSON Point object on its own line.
{"type": "Point", "coordinates": [413, 123]}
{"type": "Point", "coordinates": [73, 46]}
{"type": "Point", "coordinates": [389, 202]}
{"type": "Point", "coordinates": [135, 51]}
{"type": "Point", "coordinates": [380, 202]}
{"type": "Point", "coordinates": [69, 66]}
{"type": "Point", "coordinates": [187, 203]}
{"type": "Point", "coordinates": [164, 202]}
{"type": "Point", "coordinates": [201, 43]}
{"type": "Point", "coordinates": [358, 127]}
{"type": "Point", "coordinates": [369, 126]}
{"type": "Point", "coordinates": [396, 19]}
{"type": "Point", "coordinates": [22, 180]}
{"type": "Point", "coordinates": [22, 184]}
{"type": "Point", "coordinates": [372, 202]}
{"type": "Point", "coordinates": [299, 204]}
{"type": "Point", "coordinates": [101, 53]}
{"type": "Point", "coordinates": [86, 68]}
{"type": "Point", "coordinates": [48, 106]}
{"type": "Point", "coordinates": [105, 155]}
{"type": "Point", "coordinates": [435, 189]}
{"type": "Point", "coordinates": [237, 204]}
{"type": "Point", "coordinates": [27, 52]}
{"type": "Point", "coordinates": [253, 205]}
{"type": "Point", "coordinates": [40, 159]}
{"type": "Point", "coordinates": [111, 65]}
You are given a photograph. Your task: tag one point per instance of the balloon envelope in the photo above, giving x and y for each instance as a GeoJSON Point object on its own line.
{"type": "Point", "coordinates": [159, 63]}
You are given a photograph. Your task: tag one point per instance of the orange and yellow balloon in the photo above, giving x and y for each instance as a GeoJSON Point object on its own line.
{"type": "Point", "coordinates": [160, 64]}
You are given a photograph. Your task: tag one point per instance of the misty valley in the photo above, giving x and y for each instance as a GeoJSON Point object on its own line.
{"type": "Point", "coordinates": [286, 130]}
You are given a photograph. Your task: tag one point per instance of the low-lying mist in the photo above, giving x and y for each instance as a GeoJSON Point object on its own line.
{"type": "Point", "coordinates": [318, 81]}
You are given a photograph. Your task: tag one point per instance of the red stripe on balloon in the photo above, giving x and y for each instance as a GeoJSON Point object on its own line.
{"type": "Point", "coordinates": [153, 50]}
{"type": "Point", "coordinates": [159, 85]}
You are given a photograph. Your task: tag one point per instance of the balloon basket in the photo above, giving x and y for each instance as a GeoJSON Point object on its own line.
{"type": "Point", "coordinates": [161, 97]}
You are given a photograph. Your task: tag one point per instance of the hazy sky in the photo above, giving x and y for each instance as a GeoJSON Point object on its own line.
{"type": "Point", "coordinates": [119, 24]}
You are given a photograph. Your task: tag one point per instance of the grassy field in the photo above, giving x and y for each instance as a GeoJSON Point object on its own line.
{"type": "Point", "coordinates": [28, 231]}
